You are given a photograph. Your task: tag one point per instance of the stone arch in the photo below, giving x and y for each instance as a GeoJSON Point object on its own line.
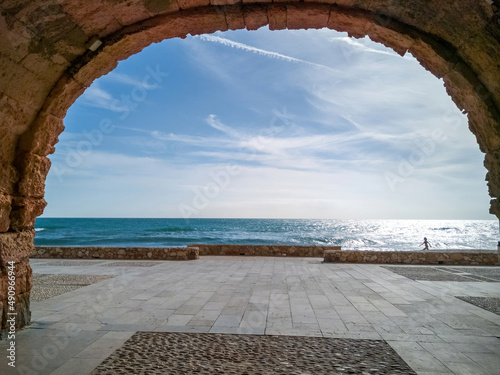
{"type": "Point", "coordinates": [51, 51]}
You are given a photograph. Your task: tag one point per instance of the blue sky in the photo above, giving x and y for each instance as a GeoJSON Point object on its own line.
{"type": "Point", "coordinates": [278, 124]}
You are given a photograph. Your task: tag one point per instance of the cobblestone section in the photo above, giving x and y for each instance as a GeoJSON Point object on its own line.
{"type": "Point", "coordinates": [487, 303]}
{"type": "Point", "coordinates": [466, 258]}
{"type": "Point", "coordinates": [209, 354]}
{"type": "Point", "coordinates": [492, 274]}
{"type": "Point", "coordinates": [46, 286]}
{"type": "Point", "coordinates": [464, 274]}
{"type": "Point", "coordinates": [135, 253]}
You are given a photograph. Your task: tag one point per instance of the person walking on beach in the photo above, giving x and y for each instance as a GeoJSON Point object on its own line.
{"type": "Point", "coordinates": [426, 244]}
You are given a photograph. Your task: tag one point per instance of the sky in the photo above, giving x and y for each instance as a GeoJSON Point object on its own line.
{"type": "Point", "coordinates": [267, 124]}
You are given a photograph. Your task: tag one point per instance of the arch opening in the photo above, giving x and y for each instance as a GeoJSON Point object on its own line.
{"type": "Point", "coordinates": [338, 118]}
{"type": "Point", "coordinates": [52, 62]}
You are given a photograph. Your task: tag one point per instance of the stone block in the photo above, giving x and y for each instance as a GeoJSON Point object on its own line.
{"type": "Point", "coordinates": [5, 208]}
{"type": "Point", "coordinates": [43, 135]}
{"type": "Point", "coordinates": [223, 2]}
{"type": "Point", "coordinates": [204, 21]}
{"type": "Point", "coordinates": [62, 96]}
{"type": "Point", "coordinates": [495, 207]}
{"type": "Point", "coordinates": [393, 35]}
{"type": "Point", "coordinates": [313, 17]}
{"type": "Point", "coordinates": [492, 164]}
{"type": "Point", "coordinates": [15, 116]}
{"type": "Point", "coordinates": [8, 140]}
{"type": "Point", "coordinates": [106, 61]}
{"type": "Point", "coordinates": [33, 169]}
{"type": "Point", "coordinates": [187, 4]}
{"type": "Point", "coordinates": [131, 11]}
{"type": "Point", "coordinates": [16, 246]}
{"type": "Point", "coordinates": [277, 16]}
{"type": "Point", "coordinates": [234, 17]}
{"type": "Point", "coordinates": [15, 38]}
{"type": "Point", "coordinates": [52, 67]}
{"type": "Point", "coordinates": [255, 16]}
{"type": "Point", "coordinates": [94, 17]}
{"type": "Point", "coordinates": [25, 211]}
{"type": "Point", "coordinates": [9, 176]}
{"type": "Point", "coordinates": [355, 22]}
{"type": "Point", "coordinates": [155, 7]}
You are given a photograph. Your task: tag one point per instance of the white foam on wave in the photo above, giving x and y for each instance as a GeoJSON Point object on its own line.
{"type": "Point", "coordinates": [39, 229]}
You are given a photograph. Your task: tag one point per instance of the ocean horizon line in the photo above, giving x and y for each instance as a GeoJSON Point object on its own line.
{"type": "Point", "coordinates": [355, 234]}
{"type": "Point", "coordinates": [250, 218]}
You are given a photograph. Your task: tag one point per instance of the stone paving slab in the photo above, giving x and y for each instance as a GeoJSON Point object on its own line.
{"type": "Point", "coordinates": [267, 297]}
{"type": "Point", "coordinates": [197, 353]}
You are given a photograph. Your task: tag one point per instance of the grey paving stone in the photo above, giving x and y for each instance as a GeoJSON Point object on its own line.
{"type": "Point", "coordinates": [268, 296]}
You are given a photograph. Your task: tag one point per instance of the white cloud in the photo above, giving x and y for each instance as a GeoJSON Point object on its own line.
{"type": "Point", "coordinates": [128, 80]}
{"type": "Point", "coordinates": [360, 46]}
{"type": "Point", "coordinates": [216, 124]}
{"type": "Point", "coordinates": [326, 159]}
{"type": "Point", "coordinates": [262, 52]}
{"type": "Point", "coordinates": [97, 97]}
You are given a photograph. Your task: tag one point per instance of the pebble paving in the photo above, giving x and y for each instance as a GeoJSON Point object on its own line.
{"type": "Point", "coordinates": [487, 303]}
{"type": "Point", "coordinates": [209, 354]}
{"type": "Point", "coordinates": [46, 286]}
{"type": "Point", "coordinates": [462, 274]}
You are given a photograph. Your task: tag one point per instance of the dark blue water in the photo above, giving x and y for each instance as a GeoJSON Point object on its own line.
{"type": "Point", "coordinates": [401, 235]}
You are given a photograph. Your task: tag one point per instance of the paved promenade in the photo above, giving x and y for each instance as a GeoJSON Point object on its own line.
{"type": "Point", "coordinates": [428, 327]}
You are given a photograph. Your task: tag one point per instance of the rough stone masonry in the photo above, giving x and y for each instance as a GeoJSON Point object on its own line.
{"type": "Point", "coordinates": [52, 50]}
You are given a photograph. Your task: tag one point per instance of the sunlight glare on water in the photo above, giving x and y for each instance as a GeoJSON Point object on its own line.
{"type": "Point", "coordinates": [382, 235]}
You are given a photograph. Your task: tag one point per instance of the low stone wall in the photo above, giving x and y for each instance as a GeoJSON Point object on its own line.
{"type": "Point", "coordinates": [135, 253]}
{"type": "Point", "coordinates": [264, 250]}
{"type": "Point", "coordinates": [331, 254]}
{"type": "Point", "coordinates": [463, 258]}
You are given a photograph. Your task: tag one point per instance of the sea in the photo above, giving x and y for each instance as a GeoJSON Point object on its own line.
{"type": "Point", "coordinates": [381, 235]}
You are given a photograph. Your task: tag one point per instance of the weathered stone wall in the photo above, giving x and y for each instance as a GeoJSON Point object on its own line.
{"type": "Point", "coordinates": [48, 59]}
{"type": "Point", "coordinates": [331, 254]}
{"type": "Point", "coordinates": [463, 258]}
{"type": "Point", "coordinates": [16, 247]}
{"type": "Point", "coordinates": [264, 250]}
{"type": "Point", "coordinates": [135, 253]}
